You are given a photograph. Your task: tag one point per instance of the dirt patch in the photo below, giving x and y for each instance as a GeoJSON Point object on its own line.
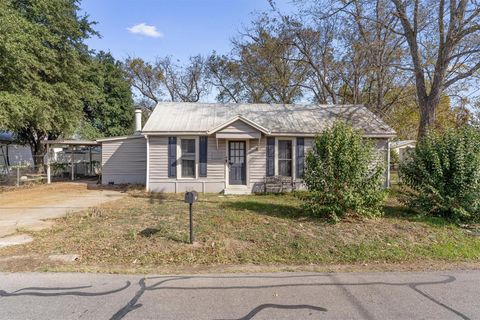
{"type": "Point", "coordinates": [27, 208]}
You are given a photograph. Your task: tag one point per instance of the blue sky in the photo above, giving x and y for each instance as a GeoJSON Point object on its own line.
{"type": "Point", "coordinates": [180, 28]}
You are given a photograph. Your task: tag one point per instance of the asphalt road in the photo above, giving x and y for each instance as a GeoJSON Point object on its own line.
{"type": "Point", "coordinates": [433, 295]}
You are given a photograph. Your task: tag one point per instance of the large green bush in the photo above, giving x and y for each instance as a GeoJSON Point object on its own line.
{"type": "Point", "coordinates": [444, 173]}
{"type": "Point", "coordinates": [343, 175]}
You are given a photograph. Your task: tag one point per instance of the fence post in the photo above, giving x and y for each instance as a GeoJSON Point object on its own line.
{"type": "Point", "coordinates": [18, 176]}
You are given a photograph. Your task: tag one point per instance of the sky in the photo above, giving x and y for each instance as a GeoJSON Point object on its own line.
{"type": "Point", "coordinates": [179, 28]}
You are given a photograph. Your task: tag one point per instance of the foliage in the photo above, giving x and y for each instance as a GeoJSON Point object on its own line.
{"type": "Point", "coordinates": [166, 79]}
{"type": "Point", "coordinates": [342, 175]}
{"type": "Point", "coordinates": [394, 157]}
{"type": "Point", "coordinates": [107, 102]}
{"type": "Point", "coordinates": [42, 57]}
{"type": "Point", "coordinates": [444, 172]}
{"type": "Point", "coordinates": [404, 116]}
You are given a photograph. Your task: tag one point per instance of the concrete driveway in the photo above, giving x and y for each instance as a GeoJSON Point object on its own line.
{"type": "Point", "coordinates": [28, 208]}
{"type": "Point", "coordinates": [404, 295]}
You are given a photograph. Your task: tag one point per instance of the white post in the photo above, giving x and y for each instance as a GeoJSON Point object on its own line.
{"type": "Point", "coordinates": [388, 164]}
{"type": "Point", "coordinates": [147, 182]}
{"type": "Point", "coordinates": [72, 158]}
{"type": "Point", "coordinates": [49, 179]}
{"type": "Point", "coordinates": [90, 165]}
{"type": "Point", "coordinates": [138, 120]}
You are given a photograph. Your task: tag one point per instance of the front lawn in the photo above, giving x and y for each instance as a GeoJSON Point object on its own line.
{"type": "Point", "coordinates": [143, 233]}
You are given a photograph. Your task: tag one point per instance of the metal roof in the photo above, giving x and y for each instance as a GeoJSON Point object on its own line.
{"type": "Point", "coordinates": [200, 118]}
{"type": "Point", "coordinates": [402, 143]}
{"type": "Point", "coordinates": [71, 142]}
{"type": "Point", "coordinates": [6, 137]}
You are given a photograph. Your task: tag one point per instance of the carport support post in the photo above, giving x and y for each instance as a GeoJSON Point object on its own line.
{"type": "Point", "coordinates": [72, 161]}
{"type": "Point", "coordinates": [90, 158]}
{"type": "Point", "coordinates": [49, 179]}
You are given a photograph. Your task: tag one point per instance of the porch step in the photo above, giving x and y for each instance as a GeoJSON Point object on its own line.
{"type": "Point", "coordinates": [237, 190]}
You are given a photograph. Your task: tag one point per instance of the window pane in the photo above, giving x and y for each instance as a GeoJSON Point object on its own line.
{"type": "Point", "coordinates": [188, 146]}
{"type": "Point", "coordinates": [285, 149]}
{"type": "Point", "coordinates": [188, 158]}
{"type": "Point", "coordinates": [285, 168]}
{"type": "Point", "coordinates": [188, 168]}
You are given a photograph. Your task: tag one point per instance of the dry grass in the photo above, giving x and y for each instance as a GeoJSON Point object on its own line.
{"type": "Point", "coordinates": [149, 232]}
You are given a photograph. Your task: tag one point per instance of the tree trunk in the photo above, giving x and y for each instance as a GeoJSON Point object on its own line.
{"type": "Point", "coordinates": [427, 114]}
{"type": "Point", "coordinates": [38, 153]}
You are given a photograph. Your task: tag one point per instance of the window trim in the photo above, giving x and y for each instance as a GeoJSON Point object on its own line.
{"type": "Point", "coordinates": [294, 155]}
{"type": "Point", "coordinates": [179, 157]}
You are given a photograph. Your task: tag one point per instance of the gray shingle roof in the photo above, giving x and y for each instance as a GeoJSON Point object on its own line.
{"type": "Point", "coordinates": [171, 117]}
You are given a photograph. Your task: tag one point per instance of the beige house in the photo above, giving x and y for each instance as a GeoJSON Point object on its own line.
{"type": "Point", "coordinates": [228, 148]}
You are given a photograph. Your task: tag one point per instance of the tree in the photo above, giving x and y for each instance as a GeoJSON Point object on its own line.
{"type": "Point", "coordinates": [264, 66]}
{"type": "Point", "coordinates": [146, 79]}
{"type": "Point", "coordinates": [444, 43]}
{"type": "Point", "coordinates": [42, 58]}
{"type": "Point", "coordinates": [165, 79]}
{"type": "Point", "coordinates": [107, 104]}
{"type": "Point", "coordinates": [404, 116]}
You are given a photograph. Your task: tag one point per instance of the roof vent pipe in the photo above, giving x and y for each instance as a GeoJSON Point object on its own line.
{"type": "Point", "coordinates": [138, 120]}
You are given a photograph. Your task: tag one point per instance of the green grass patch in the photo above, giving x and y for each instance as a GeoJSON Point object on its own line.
{"type": "Point", "coordinates": [150, 231]}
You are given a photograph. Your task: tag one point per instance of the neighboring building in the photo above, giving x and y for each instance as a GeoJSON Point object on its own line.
{"type": "Point", "coordinates": [227, 148]}
{"type": "Point", "coordinates": [12, 153]}
{"type": "Point", "coordinates": [403, 148]}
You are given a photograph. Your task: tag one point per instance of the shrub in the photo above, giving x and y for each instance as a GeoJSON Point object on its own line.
{"type": "Point", "coordinates": [394, 158]}
{"type": "Point", "coordinates": [444, 172]}
{"type": "Point", "coordinates": [342, 176]}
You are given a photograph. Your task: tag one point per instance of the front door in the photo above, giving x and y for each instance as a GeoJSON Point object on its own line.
{"type": "Point", "coordinates": [237, 163]}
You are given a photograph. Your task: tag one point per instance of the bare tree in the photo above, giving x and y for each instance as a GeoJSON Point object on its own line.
{"type": "Point", "coordinates": [264, 66]}
{"type": "Point", "coordinates": [147, 81]}
{"type": "Point", "coordinates": [165, 80]}
{"type": "Point", "coordinates": [184, 83]}
{"type": "Point", "coordinates": [443, 39]}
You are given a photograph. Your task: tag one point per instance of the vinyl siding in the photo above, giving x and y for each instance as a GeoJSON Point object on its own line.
{"type": "Point", "coordinates": [159, 180]}
{"type": "Point", "coordinates": [158, 159]}
{"type": "Point", "coordinates": [216, 159]}
{"type": "Point", "coordinates": [124, 161]}
{"type": "Point", "coordinates": [257, 160]}
{"type": "Point", "coordinates": [239, 127]}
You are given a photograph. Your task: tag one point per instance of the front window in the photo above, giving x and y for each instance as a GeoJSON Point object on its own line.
{"type": "Point", "coordinates": [285, 158]}
{"type": "Point", "coordinates": [188, 158]}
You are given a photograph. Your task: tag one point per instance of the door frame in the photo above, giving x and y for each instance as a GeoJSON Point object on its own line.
{"type": "Point", "coordinates": [247, 161]}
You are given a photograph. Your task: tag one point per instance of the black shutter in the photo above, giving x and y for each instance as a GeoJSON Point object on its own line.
{"type": "Point", "coordinates": [203, 156]}
{"type": "Point", "coordinates": [172, 157]}
{"type": "Point", "coordinates": [300, 153]}
{"type": "Point", "coordinates": [270, 157]}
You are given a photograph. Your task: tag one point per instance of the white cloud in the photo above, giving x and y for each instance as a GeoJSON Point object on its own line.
{"type": "Point", "coordinates": [145, 30]}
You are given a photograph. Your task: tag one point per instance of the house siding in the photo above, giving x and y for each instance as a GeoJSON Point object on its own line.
{"type": "Point", "coordinates": [159, 181]}
{"type": "Point", "coordinates": [124, 161]}
{"type": "Point", "coordinates": [257, 160]}
{"type": "Point", "coordinates": [239, 127]}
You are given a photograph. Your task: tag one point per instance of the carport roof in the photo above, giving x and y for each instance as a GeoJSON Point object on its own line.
{"type": "Point", "coordinates": [72, 142]}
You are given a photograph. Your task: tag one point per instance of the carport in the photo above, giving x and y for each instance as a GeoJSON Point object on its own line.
{"type": "Point", "coordinates": [72, 146]}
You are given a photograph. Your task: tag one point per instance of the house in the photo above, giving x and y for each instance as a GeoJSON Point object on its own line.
{"type": "Point", "coordinates": [230, 148]}
{"type": "Point", "coordinates": [403, 148]}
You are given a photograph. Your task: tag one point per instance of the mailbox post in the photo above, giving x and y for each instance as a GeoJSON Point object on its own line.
{"type": "Point", "coordinates": [190, 198]}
